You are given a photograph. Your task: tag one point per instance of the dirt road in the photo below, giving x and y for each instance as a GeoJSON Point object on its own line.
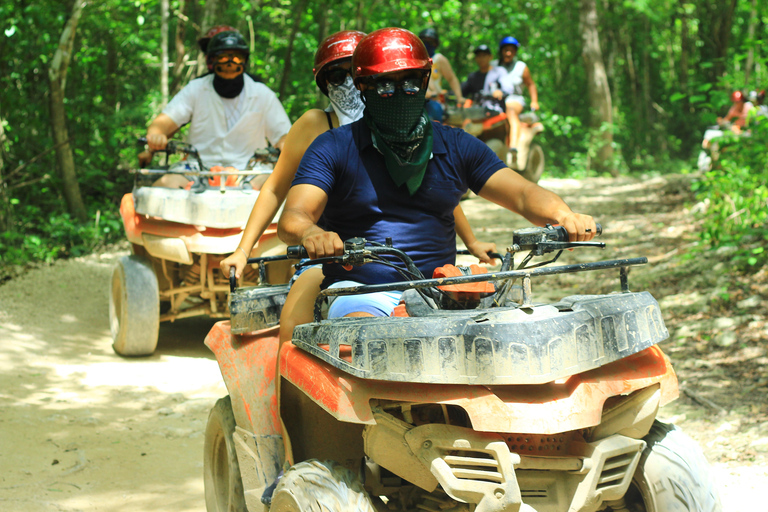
{"type": "Point", "coordinates": [84, 430]}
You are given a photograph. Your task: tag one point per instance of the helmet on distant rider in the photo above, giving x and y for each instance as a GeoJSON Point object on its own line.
{"type": "Point", "coordinates": [333, 48]}
{"type": "Point", "coordinates": [429, 34]}
{"type": "Point", "coordinates": [388, 50]}
{"type": "Point", "coordinates": [737, 96]}
{"type": "Point", "coordinates": [227, 41]}
{"type": "Point", "coordinates": [203, 41]}
{"type": "Point", "coordinates": [509, 40]}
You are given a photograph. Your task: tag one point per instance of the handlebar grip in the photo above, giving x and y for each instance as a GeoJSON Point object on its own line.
{"type": "Point", "coordinates": [141, 140]}
{"type": "Point", "coordinates": [296, 252]}
{"type": "Point", "coordinates": [599, 229]}
{"type": "Point", "coordinates": [232, 280]}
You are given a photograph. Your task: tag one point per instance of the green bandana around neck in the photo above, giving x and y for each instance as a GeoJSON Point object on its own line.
{"type": "Point", "coordinates": [402, 133]}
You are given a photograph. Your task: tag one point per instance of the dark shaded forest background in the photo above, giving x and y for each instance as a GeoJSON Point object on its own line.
{"type": "Point", "coordinates": [671, 66]}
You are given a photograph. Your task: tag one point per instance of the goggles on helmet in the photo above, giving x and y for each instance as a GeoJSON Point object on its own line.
{"type": "Point", "coordinates": [337, 76]}
{"type": "Point", "coordinates": [386, 86]}
{"type": "Point", "coordinates": [227, 57]}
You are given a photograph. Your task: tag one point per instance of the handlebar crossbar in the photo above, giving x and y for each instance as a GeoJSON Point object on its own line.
{"type": "Point", "coordinates": [474, 278]}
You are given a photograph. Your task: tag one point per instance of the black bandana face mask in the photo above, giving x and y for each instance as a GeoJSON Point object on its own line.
{"type": "Point", "coordinates": [395, 116]}
{"type": "Point", "coordinates": [228, 88]}
{"type": "Point", "coordinates": [402, 133]}
{"type": "Point", "coordinates": [233, 85]}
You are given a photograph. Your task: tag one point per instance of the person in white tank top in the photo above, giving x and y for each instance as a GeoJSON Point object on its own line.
{"type": "Point", "coordinates": [513, 75]}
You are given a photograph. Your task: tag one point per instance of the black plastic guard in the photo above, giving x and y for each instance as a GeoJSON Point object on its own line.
{"type": "Point", "coordinates": [256, 308]}
{"type": "Point", "coordinates": [490, 346]}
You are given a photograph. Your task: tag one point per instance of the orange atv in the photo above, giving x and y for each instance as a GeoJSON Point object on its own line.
{"type": "Point", "coordinates": [484, 117]}
{"type": "Point", "coordinates": [178, 237]}
{"type": "Point", "coordinates": [472, 397]}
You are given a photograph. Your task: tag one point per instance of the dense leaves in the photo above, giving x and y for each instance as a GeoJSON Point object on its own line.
{"type": "Point", "coordinates": [734, 197]}
{"type": "Point", "coordinates": [670, 64]}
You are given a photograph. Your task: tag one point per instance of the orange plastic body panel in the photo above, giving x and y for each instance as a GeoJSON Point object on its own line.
{"type": "Point", "coordinates": [473, 288]}
{"type": "Point", "coordinates": [537, 409]}
{"type": "Point", "coordinates": [248, 364]}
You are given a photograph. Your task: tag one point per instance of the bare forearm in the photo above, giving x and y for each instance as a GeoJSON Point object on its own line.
{"type": "Point", "coordinates": [510, 190]}
{"type": "Point", "coordinates": [261, 216]}
{"type": "Point", "coordinates": [534, 92]}
{"type": "Point", "coordinates": [463, 229]}
{"type": "Point", "coordinates": [294, 226]}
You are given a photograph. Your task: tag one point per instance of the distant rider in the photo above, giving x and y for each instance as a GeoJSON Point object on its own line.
{"type": "Point", "coordinates": [440, 69]}
{"type": "Point", "coordinates": [511, 75]}
{"type": "Point", "coordinates": [230, 115]}
{"type": "Point", "coordinates": [737, 114]}
{"type": "Point", "coordinates": [476, 81]}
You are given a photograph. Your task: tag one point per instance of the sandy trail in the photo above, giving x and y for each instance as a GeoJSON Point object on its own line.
{"type": "Point", "coordinates": [82, 429]}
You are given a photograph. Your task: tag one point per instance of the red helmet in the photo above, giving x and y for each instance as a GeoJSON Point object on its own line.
{"type": "Point", "coordinates": [203, 41]}
{"type": "Point", "coordinates": [737, 96]}
{"type": "Point", "coordinates": [335, 47]}
{"type": "Point", "coordinates": [387, 50]}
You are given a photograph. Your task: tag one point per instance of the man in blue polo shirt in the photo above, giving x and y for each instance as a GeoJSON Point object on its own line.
{"type": "Point", "coordinates": [396, 174]}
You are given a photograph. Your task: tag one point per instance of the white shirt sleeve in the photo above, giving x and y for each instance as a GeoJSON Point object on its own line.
{"type": "Point", "coordinates": [181, 106]}
{"type": "Point", "coordinates": [276, 120]}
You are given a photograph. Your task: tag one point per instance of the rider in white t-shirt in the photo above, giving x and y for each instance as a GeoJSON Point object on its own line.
{"type": "Point", "coordinates": [230, 115]}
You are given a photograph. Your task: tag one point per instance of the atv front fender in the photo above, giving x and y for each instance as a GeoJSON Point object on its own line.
{"type": "Point", "coordinates": [247, 364]}
{"type": "Point", "coordinates": [566, 404]}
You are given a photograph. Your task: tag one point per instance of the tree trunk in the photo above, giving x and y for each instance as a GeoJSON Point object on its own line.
{"type": "Point", "coordinates": [57, 75]}
{"type": "Point", "coordinates": [598, 90]}
{"type": "Point", "coordinates": [751, 37]}
{"type": "Point", "coordinates": [685, 52]}
{"type": "Point", "coordinates": [715, 22]}
{"type": "Point", "coordinates": [164, 8]}
{"type": "Point", "coordinates": [181, 51]}
{"type": "Point", "coordinates": [300, 7]}
{"type": "Point", "coordinates": [209, 15]}
{"type": "Point", "coordinates": [4, 203]}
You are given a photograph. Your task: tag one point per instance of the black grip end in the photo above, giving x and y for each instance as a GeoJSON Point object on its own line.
{"type": "Point", "coordinates": [296, 252]}
{"type": "Point", "coordinates": [232, 280]}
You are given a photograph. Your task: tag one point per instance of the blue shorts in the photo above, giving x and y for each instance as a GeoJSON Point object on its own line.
{"type": "Point", "coordinates": [377, 304]}
{"type": "Point", "coordinates": [300, 271]}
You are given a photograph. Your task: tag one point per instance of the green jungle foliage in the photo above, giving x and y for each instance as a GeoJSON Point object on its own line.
{"type": "Point", "coordinates": [735, 193]}
{"type": "Point", "coordinates": [670, 67]}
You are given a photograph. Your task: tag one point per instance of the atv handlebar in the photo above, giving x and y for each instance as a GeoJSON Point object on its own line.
{"type": "Point", "coordinates": [359, 251]}
{"type": "Point", "coordinates": [176, 146]}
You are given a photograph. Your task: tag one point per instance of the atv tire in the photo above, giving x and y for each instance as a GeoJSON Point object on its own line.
{"type": "Point", "coordinates": [534, 167]}
{"type": "Point", "coordinates": [673, 475]}
{"type": "Point", "coordinates": [134, 307]}
{"type": "Point", "coordinates": [314, 486]}
{"type": "Point", "coordinates": [221, 470]}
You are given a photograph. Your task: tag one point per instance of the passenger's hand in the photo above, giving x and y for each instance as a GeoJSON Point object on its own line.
{"type": "Point", "coordinates": [534, 105]}
{"type": "Point", "coordinates": [480, 251]}
{"type": "Point", "coordinates": [238, 260]}
{"type": "Point", "coordinates": [145, 158]}
{"type": "Point", "coordinates": [498, 94]}
{"type": "Point", "coordinates": [157, 141]}
{"type": "Point", "coordinates": [321, 244]}
{"type": "Point", "coordinates": [580, 227]}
